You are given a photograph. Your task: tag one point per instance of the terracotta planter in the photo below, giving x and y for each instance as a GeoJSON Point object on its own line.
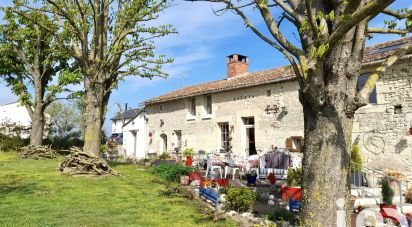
{"type": "Point", "coordinates": [195, 176]}
{"type": "Point", "coordinates": [189, 161]}
{"type": "Point", "coordinates": [389, 212]}
{"type": "Point", "coordinates": [294, 193]}
{"type": "Point", "coordinates": [184, 180]}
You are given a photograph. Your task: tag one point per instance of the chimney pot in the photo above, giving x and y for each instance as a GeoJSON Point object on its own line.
{"type": "Point", "coordinates": [237, 65]}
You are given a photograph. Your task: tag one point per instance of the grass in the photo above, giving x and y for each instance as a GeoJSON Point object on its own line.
{"type": "Point", "coordinates": [33, 193]}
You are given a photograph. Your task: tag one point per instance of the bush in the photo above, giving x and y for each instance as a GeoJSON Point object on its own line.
{"type": "Point", "coordinates": [294, 177]}
{"type": "Point", "coordinates": [281, 214]}
{"type": "Point", "coordinates": [387, 192]}
{"type": "Point", "coordinates": [240, 199]}
{"type": "Point", "coordinates": [164, 156]}
{"type": "Point", "coordinates": [171, 173]}
{"type": "Point", "coordinates": [11, 143]}
{"type": "Point", "coordinates": [356, 158]}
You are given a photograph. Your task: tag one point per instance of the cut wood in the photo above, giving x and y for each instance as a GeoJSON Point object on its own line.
{"type": "Point", "coordinates": [36, 152]}
{"type": "Point", "coordinates": [81, 163]}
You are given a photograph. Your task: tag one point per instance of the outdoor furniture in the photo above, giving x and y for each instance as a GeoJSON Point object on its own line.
{"type": "Point", "coordinates": [232, 167]}
{"type": "Point", "coordinates": [214, 163]}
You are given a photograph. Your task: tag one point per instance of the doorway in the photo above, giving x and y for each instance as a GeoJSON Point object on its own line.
{"type": "Point", "coordinates": [249, 124]}
{"type": "Point", "coordinates": [163, 143]}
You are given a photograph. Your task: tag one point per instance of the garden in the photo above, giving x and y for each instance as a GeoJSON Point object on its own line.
{"type": "Point", "coordinates": [34, 193]}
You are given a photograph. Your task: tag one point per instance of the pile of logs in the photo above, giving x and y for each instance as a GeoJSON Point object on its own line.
{"type": "Point", "coordinates": [36, 152]}
{"type": "Point", "coordinates": [81, 163]}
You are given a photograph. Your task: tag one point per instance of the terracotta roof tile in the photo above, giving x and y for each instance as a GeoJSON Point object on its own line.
{"type": "Point", "coordinates": [372, 54]}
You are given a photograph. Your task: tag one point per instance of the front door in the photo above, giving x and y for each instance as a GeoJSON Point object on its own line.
{"type": "Point", "coordinates": [250, 135]}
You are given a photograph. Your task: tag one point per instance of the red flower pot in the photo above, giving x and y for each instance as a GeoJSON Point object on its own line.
{"type": "Point", "coordinates": [389, 212]}
{"type": "Point", "coordinates": [195, 176]}
{"type": "Point", "coordinates": [294, 193]}
{"type": "Point", "coordinates": [189, 161]}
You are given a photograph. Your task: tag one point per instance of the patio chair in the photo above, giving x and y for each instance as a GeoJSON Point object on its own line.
{"type": "Point", "coordinates": [212, 166]}
{"type": "Point", "coordinates": [232, 168]}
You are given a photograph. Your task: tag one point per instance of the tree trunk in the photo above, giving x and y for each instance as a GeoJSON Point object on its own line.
{"type": "Point", "coordinates": [37, 126]}
{"type": "Point", "coordinates": [325, 166]}
{"type": "Point", "coordinates": [95, 108]}
{"type": "Point", "coordinates": [328, 131]}
{"type": "Point", "coordinates": [37, 116]}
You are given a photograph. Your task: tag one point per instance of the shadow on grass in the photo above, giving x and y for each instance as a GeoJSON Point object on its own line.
{"type": "Point", "coordinates": [16, 187]}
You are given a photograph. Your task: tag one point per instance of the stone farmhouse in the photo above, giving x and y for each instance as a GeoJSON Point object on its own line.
{"type": "Point", "coordinates": [249, 112]}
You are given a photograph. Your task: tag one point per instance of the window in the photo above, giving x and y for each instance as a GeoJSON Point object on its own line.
{"type": "Point", "coordinates": [361, 81]}
{"type": "Point", "coordinates": [295, 144]}
{"type": "Point", "coordinates": [209, 104]}
{"type": "Point", "coordinates": [224, 136]}
{"type": "Point", "coordinates": [398, 109]}
{"type": "Point", "coordinates": [268, 93]}
{"type": "Point", "coordinates": [192, 107]}
{"type": "Point", "coordinates": [160, 108]}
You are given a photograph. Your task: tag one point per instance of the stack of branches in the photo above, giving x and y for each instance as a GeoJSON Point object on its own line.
{"type": "Point", "coordinates": [36, 152]}
{"type": "Point", "coordinates": [82, 163]}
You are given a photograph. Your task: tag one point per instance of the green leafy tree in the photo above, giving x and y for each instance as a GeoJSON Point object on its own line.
{"type": "Point", "coordinates": [327, 63]}
{"type": "Point", "coordinates": [29, 60]}
{"type": "Point", "coordinates": [66, 124]}
{"type": "Point", "coordinates": [108, 40]}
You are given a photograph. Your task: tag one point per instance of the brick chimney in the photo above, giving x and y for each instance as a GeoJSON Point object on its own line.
{"type": "Point", "coordinates": [237, 65]}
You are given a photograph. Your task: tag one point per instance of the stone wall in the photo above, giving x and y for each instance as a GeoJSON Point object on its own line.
{"type": "Point", "coordinates": [379, 131]}
{"type": "Point", "coordinates": [382, 128]}
{"type": "Point", "coordinates": [202, 132]}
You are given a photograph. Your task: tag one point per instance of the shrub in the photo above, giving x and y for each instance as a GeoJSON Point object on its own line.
{"type": "Point", "coordinates": [281, 214]}
{"type": "Point", "coordinates": [294, 177]}
{"type": "Point", "coordinates": [356, 158]}
{"type": "Point", "coordinates": [171, 172]}
{"type": "Point", "coordinates": [11, 143]}
{"type": "Point", "coordinates": [188, 152]}
{"type": "Point", "coordinates": [240, 199]}
{"type": "Point", "coordinates": [387, 192]}
{"type": "Point", "coordinates": [164, 156]}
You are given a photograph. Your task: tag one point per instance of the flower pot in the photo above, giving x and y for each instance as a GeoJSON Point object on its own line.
{"type": "Point", "coordinates": [189, 161]}
{"type": "Point", "coordinates": [294, 193]}
{"type": "Point", "coordinates": [194, 176]}
{"type": "Point", "coordinates": [184, 180]}
{"type": "Point", "coordinates": [389, 212]}
{"type": "Point", "coordinates": [251, 179]}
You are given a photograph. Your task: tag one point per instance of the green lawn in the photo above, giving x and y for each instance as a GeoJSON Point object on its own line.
{"type": "Point", "coordinates": [33, 193]}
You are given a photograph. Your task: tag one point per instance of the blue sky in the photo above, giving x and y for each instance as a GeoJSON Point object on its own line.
{"type": "Point", "coordinates": [200, 51]}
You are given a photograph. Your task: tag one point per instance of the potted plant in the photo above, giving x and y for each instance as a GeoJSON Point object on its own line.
{"type": "Point", "coordinates": [294, 181]}
{"type": "Point", "coordinates": [387, 209]}
{"type": "Point", "coordinates": [188, 153]}
{"type": "Point", "coordinates": [356, 166]}
{"type": "Point", "coordinates": [251, 177]}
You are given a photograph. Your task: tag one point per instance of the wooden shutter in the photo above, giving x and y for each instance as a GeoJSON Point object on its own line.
{"type": "Point", "coordinates": [289, 144]}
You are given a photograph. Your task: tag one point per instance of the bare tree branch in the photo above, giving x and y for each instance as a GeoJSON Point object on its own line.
{"type": "Point", "coordinates": [363, 95]}
{"type": "Point", "coordinates": [398, 15]}
{"type": "Point", "coordinates": [369, 10]}
{"type": "Point", "coordinates": [387, 31]}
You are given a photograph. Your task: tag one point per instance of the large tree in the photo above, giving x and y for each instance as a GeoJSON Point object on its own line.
{"type": "Point", "coordinates": [327, 63]}
{"type": "Point", "coordinates": [109, 40]}
{"type": "Point", "coordinates": [29, 61]}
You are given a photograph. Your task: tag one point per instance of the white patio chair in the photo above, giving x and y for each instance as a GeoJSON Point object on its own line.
{"type": "Point", "coordinates": [231, 168]}
{"type": "Point", "coordinates": [211, 166]}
